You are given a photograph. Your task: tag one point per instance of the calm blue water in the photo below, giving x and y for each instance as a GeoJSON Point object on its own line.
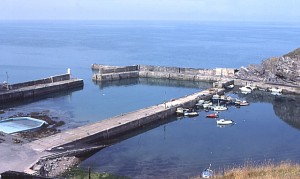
{"type": "Point", "coordinates": [267, 129]}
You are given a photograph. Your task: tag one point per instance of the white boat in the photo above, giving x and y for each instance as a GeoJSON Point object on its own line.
{"type": "Point", "coordinates": [276, 93]}
{"type": "Point", "coordinates": [181, 110]}
{"type": "Point", "coordinates": [245, 89]}
{"type": "Point", "coordinates": [192, 113]}
{"type": "Point", "coordinates": [241, 103]}
{"type": "Point", "coordinates": [230, 86]}
{"type": "Point", "coordinates": [207, 104]}
{"type": "Point", "coordinates": [224, 122]}
{"type": "Point", "coordinates": [200, 102]}
{"type": "Point", "coordinates": [215, 97]}
{"type": "Point", "coordinates": [220, 108]}
{"type": "Point", "coordinates": [251, 87]}
{"type": "Point", "coordinates": [207, 173]}
{"type": "Point", "coordinates": [275, 90]}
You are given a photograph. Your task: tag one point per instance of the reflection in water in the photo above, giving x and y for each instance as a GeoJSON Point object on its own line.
{"type": "Point", "coordinates": [154, 82]}
{"type": "Point", "coordinates": [40, 98]}
{"type": "Point", "coordinates": [286, 107]}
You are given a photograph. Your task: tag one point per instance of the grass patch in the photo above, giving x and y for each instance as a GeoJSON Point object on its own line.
{"type": "Point", "coordinates": [285, 170]}
{"type": "Point", "coordinates": [77, 173]}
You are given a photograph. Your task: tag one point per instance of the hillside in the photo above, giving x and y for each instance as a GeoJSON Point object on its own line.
{"type": "Point", "coordinates": [283, 70]}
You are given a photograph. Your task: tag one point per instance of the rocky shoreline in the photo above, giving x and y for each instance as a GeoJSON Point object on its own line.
{"type": "Point", "coordinates": [50, 167]}
{"type": "Point", "coordinates": [276, 70]}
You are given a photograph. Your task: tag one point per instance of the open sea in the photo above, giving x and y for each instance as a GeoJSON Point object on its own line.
{"type": "Point", "coordinates": [267, 130]}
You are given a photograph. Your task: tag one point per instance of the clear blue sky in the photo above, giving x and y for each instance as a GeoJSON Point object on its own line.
{"type": "Point", "coordinates": [209, 10]}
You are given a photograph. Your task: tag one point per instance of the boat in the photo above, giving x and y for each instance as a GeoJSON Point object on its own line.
{"type": "Point", "coordinates": [21, 124]}
{"type": "Point", "coordinates": [200, 103]}
{"type": "Point", "coordinates": [213, 115]}
{"type": "Point", "coordinates": [181, 110]}
{"type": "Point", "coordinates": [207, 104]}
{"type": "Point", "coordinates": [241, 103]}
{"type": "Point", "coordinates": [276, 93]}
{"type": "Point", "coordinates": [251, 87]}
{"type": "Point", "coordinates": [191, 113]}
{"type": "Point", "coordinates": [245, 89]}
{"type": "Point", "coordinates": [275, 90]}
{"type": "Point", "coordinates": [220, 108]}
{"type": "Point", "coordinates": [224, 122]}
{"type": "Point", "coordinates": [207, 173]}
{"type": "Point", "coordinates": [215, 97]}
{"type": "Point", "coordinates": [230, 86]}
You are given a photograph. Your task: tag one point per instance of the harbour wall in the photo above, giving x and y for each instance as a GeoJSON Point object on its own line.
{"type": "Point", "coordinates": [38, 88]}
{"type": "Point", "coordinates": [111, 73]}
{"type": "Point", "coordinates": [221, 77]}
{"type": "Point", "coordinates": [119, 125]}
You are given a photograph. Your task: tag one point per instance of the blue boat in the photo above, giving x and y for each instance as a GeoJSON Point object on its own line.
{"type": "Point", "coordinates": [20, 124]}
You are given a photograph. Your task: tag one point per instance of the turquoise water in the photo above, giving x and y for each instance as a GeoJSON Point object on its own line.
{"type": "Point", "coordinates": [268, 129]}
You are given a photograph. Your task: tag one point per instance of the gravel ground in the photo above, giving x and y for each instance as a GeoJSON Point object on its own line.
{"type": "Point", "coordinates": [16, 157]}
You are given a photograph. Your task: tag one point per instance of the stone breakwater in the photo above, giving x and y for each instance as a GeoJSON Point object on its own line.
{"type": "Point", "coordinates": [111, 73]}
{"type": "Point", "coordinates": [38, 88]}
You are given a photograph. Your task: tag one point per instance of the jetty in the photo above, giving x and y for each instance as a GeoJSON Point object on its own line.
{"type": "Point", "coordinates": [112, 73]}
{"type": "Point", "coordinates": [115, 126]}
{"type": "Point", "coordinates": [38, 88]}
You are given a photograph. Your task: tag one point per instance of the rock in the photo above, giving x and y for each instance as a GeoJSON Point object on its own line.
{"type": "Point", "coordinates": [280, 70]}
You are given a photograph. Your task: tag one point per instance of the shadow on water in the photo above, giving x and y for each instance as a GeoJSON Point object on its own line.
{"type": "Point", "coordinates": [39, 98]}
{"type": "Point", "coordinates": [154, 82]}
{"type": "Point", "coordinates": [115, 139]}
{"type": "Point", "coordinates": [286, 107]}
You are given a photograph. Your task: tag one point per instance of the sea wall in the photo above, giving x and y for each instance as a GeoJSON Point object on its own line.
{"type": "Point", "coordinates": [111, 73]}
{"type": "Point", "coordinates": [41, 81]}
{"type": "Point", "coordinates": [39, 88]}
{"type": "Point", "coordinates": [121, 124]}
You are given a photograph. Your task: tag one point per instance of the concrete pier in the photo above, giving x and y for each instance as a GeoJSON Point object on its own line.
{"type": "Point", "coordinates": [110, 73]}
{"type": "Point", "coordinates": [118, 125]}
{"type": "Point", "coordinates": [38, 88]}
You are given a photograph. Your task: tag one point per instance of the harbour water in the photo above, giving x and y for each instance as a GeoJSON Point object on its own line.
{"type": "Point", "coordinates": [268, 129]}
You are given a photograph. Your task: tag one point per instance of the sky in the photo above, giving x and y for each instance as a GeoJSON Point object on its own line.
{"type": "Point", "coordinates": [194, 10]}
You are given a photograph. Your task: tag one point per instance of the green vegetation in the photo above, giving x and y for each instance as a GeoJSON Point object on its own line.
{"type": "Point", "coordinates": [84, 174]}
{"type": "Point", "coordinates": [293, 54]}
{"type": "Point", "coordinates": [285, 170]}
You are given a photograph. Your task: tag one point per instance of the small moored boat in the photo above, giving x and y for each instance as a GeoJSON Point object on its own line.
{"type": "Point", "coordinates": [245, 89]}
{"type": "Point", "coordinates": [207, 173]}
{"type": "Point", "coordinates": [220, 108]}
{"type": "Point", "coordinates": [275, 90]}
{"type": "Point", "coordinates": [241, 103]}
{"type": "Point", "coordinates": [224, 122]}
{"type": "Point", "coordinates": [207, 104]}
{"type": "Point", "coordinates": [191, 113]}
{"type": "Point", "coordinates": [200, 103]}
{"type": "Point", "coordinates": [180, 110]}
{"type": "Point", "coordinates": [213, 115]}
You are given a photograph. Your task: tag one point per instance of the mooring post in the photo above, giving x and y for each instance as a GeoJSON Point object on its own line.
{"type": "Point", "coordinates": [89, 171]}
